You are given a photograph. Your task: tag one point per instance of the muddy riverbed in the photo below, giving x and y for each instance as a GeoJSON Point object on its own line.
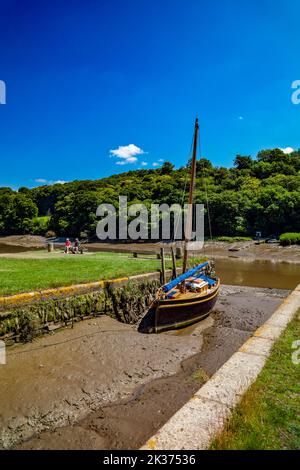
{"type": "Point", "coordinates": [21, 243]}
{"type": "Point", "coordinates": [248, 250]}
{"type": "Point", "coordinates": [103, 385]}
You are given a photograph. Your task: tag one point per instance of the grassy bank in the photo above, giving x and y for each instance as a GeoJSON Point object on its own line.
{"type": "Point", "coordinates": [268, 416]}
{"type": "Point", "coordinates": [26, 273]}
{"type": "Point", "coordinates": [290, 238]}
{"type": "Point", "coordinates": [233, 239]}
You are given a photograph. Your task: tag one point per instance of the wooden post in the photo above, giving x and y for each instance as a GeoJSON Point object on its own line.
{"type": "Point", "coordinates": [50, 247]}
{"type": "Point", "coordinates": [178, 252]}
{"type": "Point", "coordinates": [163, 268]}
{"type": "Point", "coordinates": [174, 271]}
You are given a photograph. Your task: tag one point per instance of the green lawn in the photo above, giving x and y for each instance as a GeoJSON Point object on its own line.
{"type": "Point", "coordinates": [27, 272]}
{"type": "Point", "coordinates": [268, 416]}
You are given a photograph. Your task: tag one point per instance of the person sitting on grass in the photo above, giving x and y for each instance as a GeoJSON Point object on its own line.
{"type": "Point", "coordinates": [67, 246]}
{"type": "Point", "coordinates": [77, 247]}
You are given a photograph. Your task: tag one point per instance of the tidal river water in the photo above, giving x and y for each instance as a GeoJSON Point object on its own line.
{"type": "Point", "coordinates": [258, 273]}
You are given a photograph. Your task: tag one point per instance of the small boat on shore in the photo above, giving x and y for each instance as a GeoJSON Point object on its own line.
{"type": "Point", "coordinates": [178, 306]}
{"type": "Point", "coordinates": [191, 296]}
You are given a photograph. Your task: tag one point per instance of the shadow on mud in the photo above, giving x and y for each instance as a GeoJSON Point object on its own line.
{"type": "Point", "coordinates": [147, 323]}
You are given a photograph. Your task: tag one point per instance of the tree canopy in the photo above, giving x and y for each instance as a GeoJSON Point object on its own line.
{"type": "Point", "coordinates": [261, 194]}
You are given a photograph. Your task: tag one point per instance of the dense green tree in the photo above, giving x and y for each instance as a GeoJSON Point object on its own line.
{"type": "Point", "coordinates": [243, 163]}
{"type": "Point", "coordinates": [5, 190]}
{"type": "Point", "coordinates": [271, 155]}
{"type": "Point", "coordinates": [16, 213]}
{"type": "Point", "coordinates": [203, 167]}
{"type": "Point", "coordinates": [166, 168]}
{"type": "Point", "coordinates": [255, 194]}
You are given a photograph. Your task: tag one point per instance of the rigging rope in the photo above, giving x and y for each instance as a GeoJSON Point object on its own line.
{"type": "Point", "coordinates": [207, 204]}
{"type": "Point", "coordinates": [206, 197]}
{"type": "Point", "coordinates": [184, 190]}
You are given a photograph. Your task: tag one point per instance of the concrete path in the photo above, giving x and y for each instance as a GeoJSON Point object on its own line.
{"type": "Point", "coordinates": [196, 424]}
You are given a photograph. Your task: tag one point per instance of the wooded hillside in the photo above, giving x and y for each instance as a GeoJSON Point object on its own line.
{"type": "Point", "coordinates": [255, 194]}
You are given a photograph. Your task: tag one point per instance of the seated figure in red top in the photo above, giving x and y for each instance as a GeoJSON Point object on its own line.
{"type": "Point", "coordinates": [67, 245]}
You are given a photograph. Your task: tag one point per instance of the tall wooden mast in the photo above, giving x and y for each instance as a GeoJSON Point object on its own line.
{"type": "Point", "coordinates": [189, 220]}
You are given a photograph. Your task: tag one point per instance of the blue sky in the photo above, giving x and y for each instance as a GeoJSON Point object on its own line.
{"type": "Point", "coordinates": [87, 77]}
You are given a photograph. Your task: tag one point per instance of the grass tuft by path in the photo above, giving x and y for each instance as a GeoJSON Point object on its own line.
{"type": "Point", "coordinates": [268, 416]}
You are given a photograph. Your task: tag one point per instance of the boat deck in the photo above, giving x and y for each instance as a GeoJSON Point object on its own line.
{"type": "Point", "coordinates": [200, 288]}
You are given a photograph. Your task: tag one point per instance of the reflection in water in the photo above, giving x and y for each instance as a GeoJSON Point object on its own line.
{"type": "Point", "coordinates": [258, 273]}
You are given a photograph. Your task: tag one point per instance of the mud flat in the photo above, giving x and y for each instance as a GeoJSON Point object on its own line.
{"type": "Point", "coordinates": [247, 250]}
{"type": "Point", "coordinates": [21, 243]}
{"type": "Point", "coordinates": [104, 385]}
{"type": "Point", "coordinates": [242, 251]}
{"type": "Point", "coordinates": [59, 379]}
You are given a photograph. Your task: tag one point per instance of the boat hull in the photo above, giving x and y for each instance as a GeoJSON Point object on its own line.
{"type": "Point", "coordinates": [171, 314]}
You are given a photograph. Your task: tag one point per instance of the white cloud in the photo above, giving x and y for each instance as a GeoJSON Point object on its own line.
{"type": "Point", "coordinates": [58, 182]}
{"type": "Point", "coordinates": [161, 160]}
{"type": "Point", "coordinates": [144, 163]}
{"type": "Point", "coordinates": [127, 160]}
{"type": "Point", "coordinates": [131, 159]}
{"type": "Point", "coordinates": [287, 150]}
{"type": "Point", "coordinates": [126, 153]}
{"type": "Point", "coordinates": [155, 164]}
{"type": "Point", "coordinates": [40, 180]}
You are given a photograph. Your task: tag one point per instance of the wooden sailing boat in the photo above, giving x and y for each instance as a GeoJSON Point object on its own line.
{"type": "Point", "coordinates": [191, 296]}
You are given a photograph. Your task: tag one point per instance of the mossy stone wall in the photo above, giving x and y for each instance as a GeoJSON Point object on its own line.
{"type": "Point", "coordinates": [126, 304]}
